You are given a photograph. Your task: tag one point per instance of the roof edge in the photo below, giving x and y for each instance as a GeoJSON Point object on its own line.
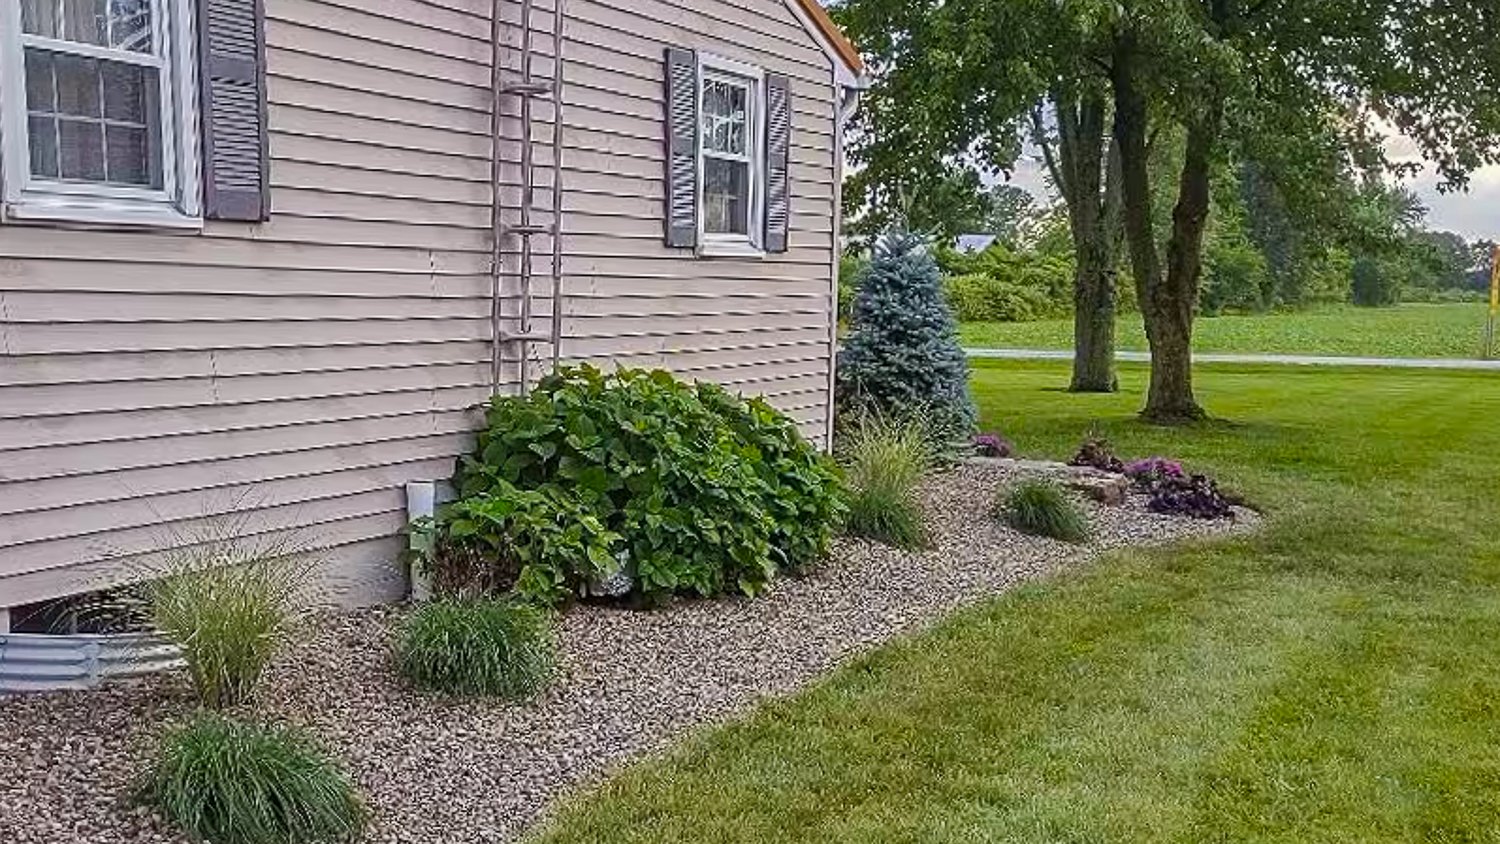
{"type": "Point", "coordinates": [835, 37]}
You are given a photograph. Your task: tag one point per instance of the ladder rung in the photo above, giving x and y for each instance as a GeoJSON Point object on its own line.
{"type": "Point", "coordinates": [527, 89]}
{"type": "Point", "coordinates": [527, 231]}
{"type": "Point", "coordinates": [532, 337]}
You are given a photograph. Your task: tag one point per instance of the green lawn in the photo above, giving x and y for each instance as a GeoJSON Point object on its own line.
{"type": "Point", "coordinates": [1335, 677]}
{"type": "Point", "coordinates": [1408, 331]}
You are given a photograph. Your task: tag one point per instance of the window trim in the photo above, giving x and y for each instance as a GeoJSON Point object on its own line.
{"type": "Point", "coordinates": [718, 244]}
{"type": "Point", "coordinates": [178, 205]}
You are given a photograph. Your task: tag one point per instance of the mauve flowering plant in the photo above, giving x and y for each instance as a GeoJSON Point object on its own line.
{"type": "Point", "coordinates": [992, 445]}
{"type": "Point", "coordinates": [1149, 472]}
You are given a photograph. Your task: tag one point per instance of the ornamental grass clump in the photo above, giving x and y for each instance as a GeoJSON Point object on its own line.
{"type": "Point", "coordinates": [229, 602]}
{"type": "Point", "coordinates": [231, 782]}
{"type": "Point", "coordinates": [486, 647]}
{"type": "Point", "coordinates": [1042, 508]}
{"type": "Point", "coordinates": [884, 457]}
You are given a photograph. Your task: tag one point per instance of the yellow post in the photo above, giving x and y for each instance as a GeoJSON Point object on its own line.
{"type": "Point", "coordinates": [1489, 325]}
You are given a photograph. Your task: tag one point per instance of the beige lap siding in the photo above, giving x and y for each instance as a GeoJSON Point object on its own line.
{"type": "Point", "coordinates": [310, 366]}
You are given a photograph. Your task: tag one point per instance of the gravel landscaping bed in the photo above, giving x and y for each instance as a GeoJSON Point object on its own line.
{"type": "Point", "coordinates": [631, 683]}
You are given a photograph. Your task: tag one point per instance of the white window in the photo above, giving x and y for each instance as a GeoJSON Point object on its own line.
{"type": "Point", "coordinates": [97, 111]}
{"type": "Point", "coordinates": [731, 157]}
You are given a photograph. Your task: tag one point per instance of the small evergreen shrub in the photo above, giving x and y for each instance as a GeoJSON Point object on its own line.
{"type": "Point", "coordinates": [229, 606]}
{"type": "Point", "coordinates": [884, 458]}
{"type": "Point", "coordinates": [902, 353]}
{"type": "Point", "coordinates": [680, 488]}
{"type": "Point", "coordinates": [236, 783]}
{"type": "Point", "coordinates": [1043, 508]}
{"type": "Point", "coordinates": [484, 647]}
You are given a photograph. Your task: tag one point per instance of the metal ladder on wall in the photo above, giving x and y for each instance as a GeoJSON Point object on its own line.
{"type": "Point", "coordinates": [519, 330]}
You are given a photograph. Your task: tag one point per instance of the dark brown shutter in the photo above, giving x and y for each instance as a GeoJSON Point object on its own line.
{"type": "Point", "coordinates": [232, 80]}
{"type": "Point", "coordinates": [778, 146]}
{"type": "Point", "coordinates": [682, 147]}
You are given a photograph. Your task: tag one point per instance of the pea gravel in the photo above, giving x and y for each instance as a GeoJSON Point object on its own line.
{"type": "Point", "coordinates": [438, 770]}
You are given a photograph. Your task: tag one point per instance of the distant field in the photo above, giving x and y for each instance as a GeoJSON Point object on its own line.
{"type": "Point", "coordinates": [1416, 331]}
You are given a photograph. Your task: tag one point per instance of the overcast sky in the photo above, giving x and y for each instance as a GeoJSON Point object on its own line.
{"type": "Point", "coordinates": [1475, 214]}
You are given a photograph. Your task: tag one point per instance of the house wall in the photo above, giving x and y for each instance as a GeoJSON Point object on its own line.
{"type": "Point", "coordinates": [302, 370]}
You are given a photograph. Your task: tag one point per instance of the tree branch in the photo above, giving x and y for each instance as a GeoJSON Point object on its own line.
{"type": "Point", "coordinates": [1049, 156]}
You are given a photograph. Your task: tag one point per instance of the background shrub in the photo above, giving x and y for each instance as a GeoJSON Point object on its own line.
{"type": "Point", "coordinates": [489, 647]}
{"type": "Point", "coordinates": [852, 269]}
{"type": "Point", "coordinates": [235, 783]}
{"type": "Point", "coordinates": [229, 605]}
{"type": "Point", "coordinates": [1236, 278]}
{"type": "Point", "coordinates": [1375, 283]}
{"type": "Point", "coordinates": [1042, 508]}
{"type": "Point", "coordinates": [902, 352]}
{"type": "Point", "coordinates": [984, 298]}
{"type": "Point", "coordinates": [884, 457]}
{"type": "Point", "coordinates": [1001, 284]}
{"type": "Point", "coordinates": [688, 487]}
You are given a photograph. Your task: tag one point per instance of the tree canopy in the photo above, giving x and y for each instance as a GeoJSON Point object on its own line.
{"type": "Point", "coordinates": [1306, 90]}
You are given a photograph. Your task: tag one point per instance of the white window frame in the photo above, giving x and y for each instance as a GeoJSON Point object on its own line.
{"type": "Point", "coordinates": [34, 198]}
{"type": "Point", "coordinates": [750, 245]}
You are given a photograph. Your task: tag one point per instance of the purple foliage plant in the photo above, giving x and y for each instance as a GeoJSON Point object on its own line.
{"type": "Point", "coordinates": [992, 445]}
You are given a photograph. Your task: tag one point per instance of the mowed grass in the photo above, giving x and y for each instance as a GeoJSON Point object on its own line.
{"type": "Point", "coordinates": [1335, 677]}
{"type": "Point", "coordinates": [1407, 331]}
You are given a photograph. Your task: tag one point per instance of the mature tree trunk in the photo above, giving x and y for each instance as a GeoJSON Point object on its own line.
{"type": "Point", "coordinates": [1168, 296]}
{"type": "Point", "coordinates": [1172, 309]}
{"type": "Point", "coordinates": [1093, 218]}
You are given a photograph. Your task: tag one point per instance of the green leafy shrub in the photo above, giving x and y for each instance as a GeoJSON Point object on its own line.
{"type": "Point", "coordinates": [902, 353]}
{"type": "Point", "coordinates": [1427, 295]}
{"type": "Point", "coordinates": [1237, 278]}
{"type": "Point", "coordinates": [229, 605]}
{"type": "Point", "coordinates": [1004, 285]}
{"type": "Point", "coordinates": [1375, 283]}
{"type": "Point", "coordinates": [489, 647]}
{"type": "Point", "coordinates": [547, 543]}
{"type": "Point", "coordinates": [687, 488]}
{"type": "Point", "coordinates": [884, 457]}
{"type": "Point", "coordinates": [235, 783]}
{"type": "Point", "coordinates": [984, 298]}
{"type": "Point", "coordinates": [1043, 508]}
{"type": "Point", "coordinates": [852, 268]}
{"type": "Point", "coordinates": [803, 493]}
